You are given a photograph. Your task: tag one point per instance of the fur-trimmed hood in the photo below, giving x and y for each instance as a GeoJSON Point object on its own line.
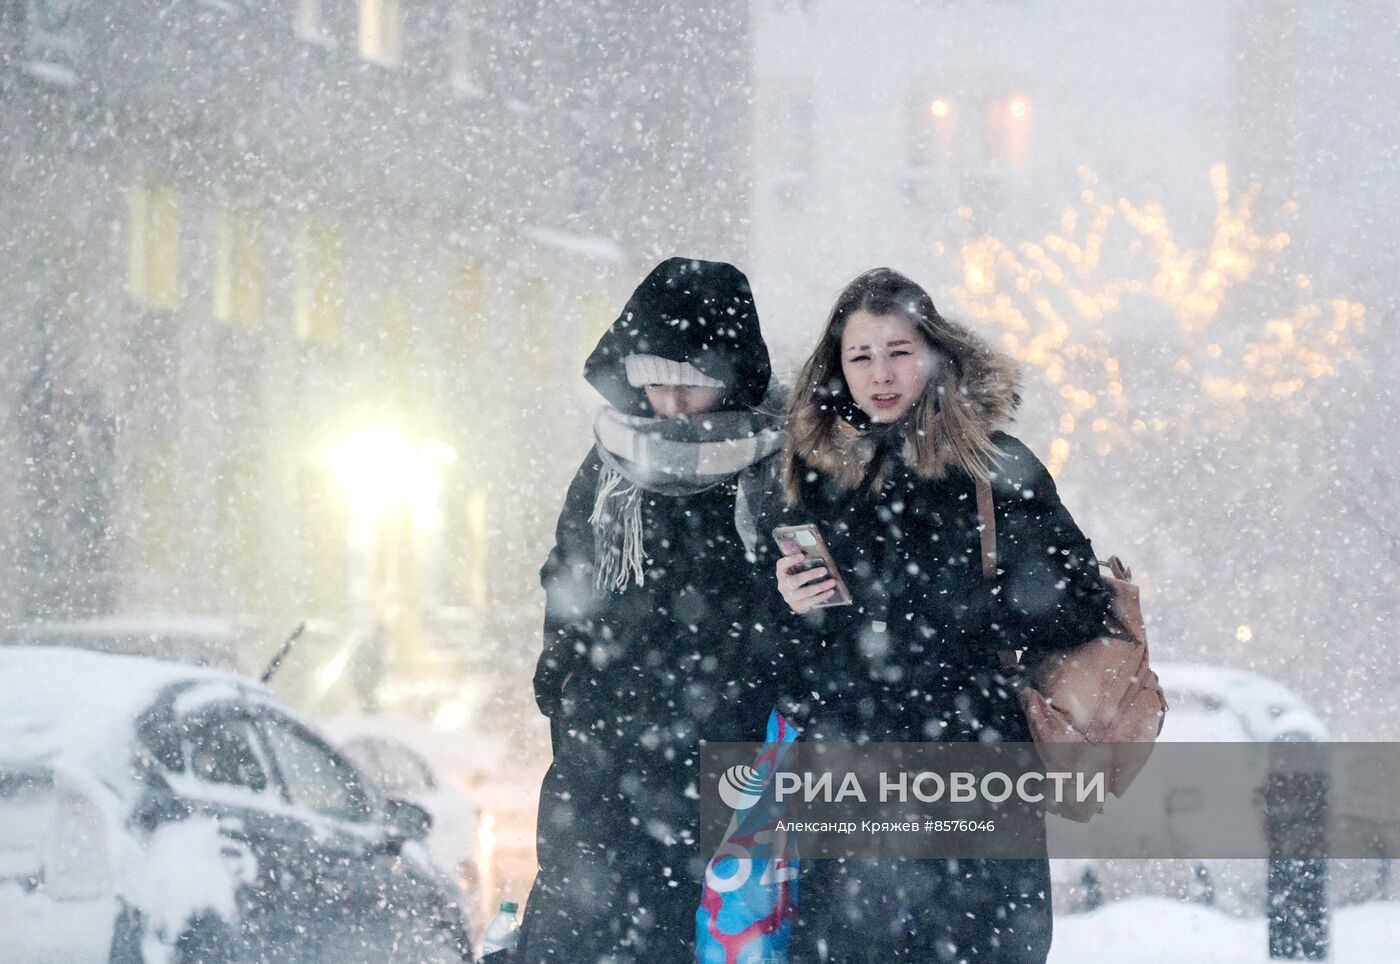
{"type": "Point", "coordinates": [975, 394]}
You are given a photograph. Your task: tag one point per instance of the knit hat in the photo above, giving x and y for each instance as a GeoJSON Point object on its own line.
{"type": "Point", "coordinates": [644, 370]}
{"type": "Point", "coordinates": [697, 314]}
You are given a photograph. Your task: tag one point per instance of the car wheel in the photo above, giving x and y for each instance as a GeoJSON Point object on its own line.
{"type": "Point", "coordinates": [126, 938]}
{"type": "Point", "coordinates": [207, 940]}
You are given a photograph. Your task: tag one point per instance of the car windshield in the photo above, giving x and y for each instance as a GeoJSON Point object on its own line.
{"type": "Point", "coordinates": [393, 766]}
{"type": "Point", "coordinates": [314, 777]}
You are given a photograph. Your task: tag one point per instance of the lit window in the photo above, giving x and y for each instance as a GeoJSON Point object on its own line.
{"type": "Point", "coordinates": [153, 245]}
{"type": "Point", "coordinates": [537, 317]}
{"type": "Point", "coordinates": [1008, 132]}
{"type": "Point", "coordinates": [238, 265]}
{"type": "Point", "coordinates": [599, 312]}
{"type": "Point", "coordinates": [478, 583]}
{"type": "Point", "coordinates": [932, 132]}
{"type": "Point", "coordinates": [317, 306]}
{"type": "Point", "coordinates": [310, 24]}
{"type": "Point", "coordinates": [380, 26]}
{"type": "Point", "coordinates": [466, 296]}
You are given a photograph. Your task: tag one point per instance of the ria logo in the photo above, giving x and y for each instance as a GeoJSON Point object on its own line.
{"type": "Point", "coordinates": [740, 786]}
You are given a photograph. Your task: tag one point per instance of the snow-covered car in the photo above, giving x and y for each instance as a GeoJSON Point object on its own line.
{"type": "Point", "coordinates": [155, 812]}
{"type": "Point", "coordinates": [1208, 704]}
{"type": "Point", "coordinates": [1249, 707]}
{"type": "Point", "coordinates": [416, 762]}
{"type": "Point", "coordinates": [198, 640]}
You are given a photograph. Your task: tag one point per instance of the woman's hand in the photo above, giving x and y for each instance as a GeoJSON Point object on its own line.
{"type": "Point", "coordinates": [802, 590]}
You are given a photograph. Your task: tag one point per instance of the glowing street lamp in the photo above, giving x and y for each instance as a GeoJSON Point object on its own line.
{"type": "Point", "coordinates": [382, 470]}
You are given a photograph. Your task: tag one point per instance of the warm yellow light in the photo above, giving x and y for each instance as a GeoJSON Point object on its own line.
{"type": "Point", "coordinates": [372, 467]}
{"type": "Point", "coordinates": [939, 108]}
{"type": "Point", "coordinates": [486, 857]}
{"type": "Point", "coordinates": [333, 670]}
{"type": "Point", "coordinates": [381, 469]}
{"type": "Point", "coordinates": [1019, 108]}
{"type": "Point", "coordinates": [1244, 634]}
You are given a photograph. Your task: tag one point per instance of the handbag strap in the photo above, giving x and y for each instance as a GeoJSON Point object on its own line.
{"type": "Point", "coordinates": [1116, 689]}
{"type": "Point", "coordinates": [987, 517]}
{"type": "Point", "coordinates": [986, 514]}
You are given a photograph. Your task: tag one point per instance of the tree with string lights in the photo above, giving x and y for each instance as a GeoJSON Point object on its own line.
{"type": "Point", "coordinates": [1136, 332]}
{"type": "Point", "coordinates": [1195, 395]}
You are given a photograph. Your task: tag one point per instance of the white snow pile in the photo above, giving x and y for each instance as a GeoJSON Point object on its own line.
{"type": "Point", "coordinates": [76, 710]}
{"type": "Point", "coordinates": [1157, 930]}
{"type": "Point", "coordinates": [1267, 709]}
{"type": "Point", "coordinates": [70, 715]}
{"type": "Point", "coordinates": [181, 873]}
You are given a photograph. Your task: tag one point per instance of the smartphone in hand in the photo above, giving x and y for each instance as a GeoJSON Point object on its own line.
{"type": "Point", "coordinates": [807, 539]}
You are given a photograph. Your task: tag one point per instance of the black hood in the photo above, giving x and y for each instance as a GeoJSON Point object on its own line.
{"type": "Point", "coordinates": [701, 312]}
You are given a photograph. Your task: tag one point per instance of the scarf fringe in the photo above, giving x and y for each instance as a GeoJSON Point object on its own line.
{"type": "Point", "coordinates": [668, 457]}
{"type": "Point", "coordinates": [617, 563]}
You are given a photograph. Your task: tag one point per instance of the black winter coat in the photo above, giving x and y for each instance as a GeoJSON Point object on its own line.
{"type": "Point", "coordinates": [631, 688]}
{"type": "Point", "coordinates": [916, 657]}
{"type": "Point", "coordinates": [632, 681]}
{"type": "Point", "coordinates": [911, 556]}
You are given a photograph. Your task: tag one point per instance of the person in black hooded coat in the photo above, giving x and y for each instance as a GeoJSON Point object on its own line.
{"type": "Point", "coordinates": [654, 636]}
{"type": "Point", "coordinates": [892, 417]}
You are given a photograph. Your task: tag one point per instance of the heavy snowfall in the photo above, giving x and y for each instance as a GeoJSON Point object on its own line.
{"type": "Point", "coordinates": [295, 303]}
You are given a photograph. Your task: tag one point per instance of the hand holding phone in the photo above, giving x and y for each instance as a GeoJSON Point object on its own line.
{"type": "Point", "coordinates": [807, 575]}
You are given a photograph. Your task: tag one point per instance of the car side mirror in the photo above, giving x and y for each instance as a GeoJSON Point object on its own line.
{"type": "Point", "coordinates": [407, 821]}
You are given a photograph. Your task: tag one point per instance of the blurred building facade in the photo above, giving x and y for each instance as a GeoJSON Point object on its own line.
{"type": "Point", "coordinates": [890, 131]}
{"type": "Point", "coordinates": [297, 294]}
{"type": "Point", "coordinates": [1314, 109]}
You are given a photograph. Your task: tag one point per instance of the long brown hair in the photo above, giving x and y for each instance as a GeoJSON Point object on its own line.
{"type": "Point", "coordinates": [950, 425]}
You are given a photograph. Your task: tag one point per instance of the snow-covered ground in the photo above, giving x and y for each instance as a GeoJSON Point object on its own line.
{"type": "Point", "coordinates": [1157, 930]}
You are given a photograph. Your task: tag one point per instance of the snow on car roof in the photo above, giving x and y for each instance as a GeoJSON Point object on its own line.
{"type": "Point", "coordinates": [1269, 707]}
{"type": "Point", "coordinates": [78, 709]}
{"type": "Point", "coordinates": [151, 624]}
{"type": "Point", "coordinates": [1206, 678]}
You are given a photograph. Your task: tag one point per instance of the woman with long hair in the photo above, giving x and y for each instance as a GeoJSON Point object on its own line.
{"type": "Point", "coordinates": [894, 416]}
